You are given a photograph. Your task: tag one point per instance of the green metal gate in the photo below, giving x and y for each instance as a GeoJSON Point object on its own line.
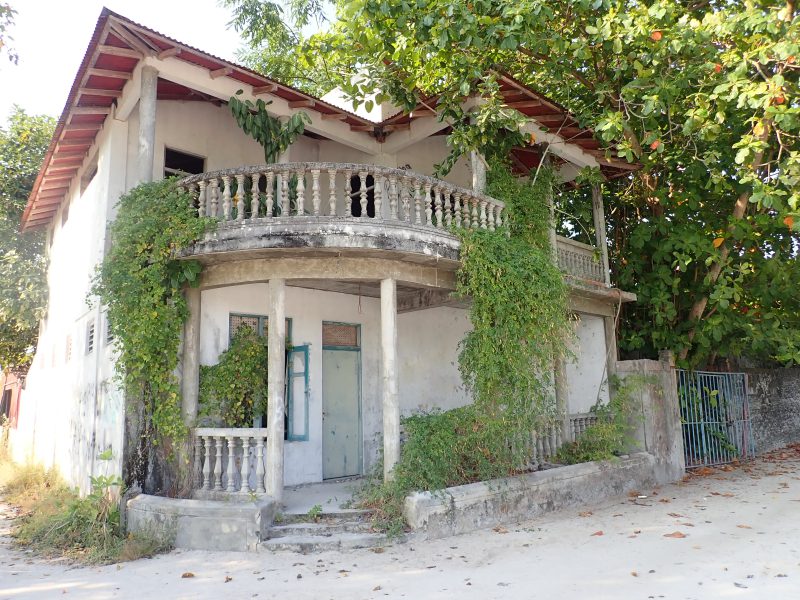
{"type": "Point", "coordinates": [716, 418]}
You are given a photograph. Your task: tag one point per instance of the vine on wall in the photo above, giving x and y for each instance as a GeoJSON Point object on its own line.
{"type": "Point", "coordinates": [141, 283]}
{"type": "Point", "coordinates": [235, 389]}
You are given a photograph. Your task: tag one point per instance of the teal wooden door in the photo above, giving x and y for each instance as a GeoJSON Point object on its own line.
{"type": "Point", "coordinates": [341, 413]}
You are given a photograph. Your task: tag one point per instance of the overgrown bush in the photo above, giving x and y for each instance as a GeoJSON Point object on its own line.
{"type": "Point", "coordinates": [235, 389]}
{"type": "Point", "coordinates": [612, 433]}
{"type": "Point", "coordinates": [442, 449]}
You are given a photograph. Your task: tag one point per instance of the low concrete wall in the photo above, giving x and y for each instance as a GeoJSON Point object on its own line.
{"type": "Point", "coordinates": [202, 524]}
{"type": "Point", "coordinates": [774, 396]}
{"type": "Point", "coordinates": [478, 505]}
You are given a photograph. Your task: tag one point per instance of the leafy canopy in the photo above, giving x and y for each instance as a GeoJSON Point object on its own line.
{"type": "Point", "coordinates": [704, 95]}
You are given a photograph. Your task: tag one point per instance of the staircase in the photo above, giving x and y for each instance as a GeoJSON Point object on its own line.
{"type": "Point", "coordinates": [338, 530]}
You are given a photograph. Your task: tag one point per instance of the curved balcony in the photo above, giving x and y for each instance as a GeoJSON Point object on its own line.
{"type": "Point", "coordinates": [324, 208]}
{"type": "Point", "coordinates": [320, 208]}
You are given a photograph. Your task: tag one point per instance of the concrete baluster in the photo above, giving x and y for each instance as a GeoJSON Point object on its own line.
{"type": "Point", "coordinates": [218, 464]}
{"type": "Point", "coordinates": [244, 467]}
{"type": "Point", "coordinates": [240, 197]}
{"type": "Point", "coordinates": [254, 195]}
{"type": "Point", "coordinates": [332, 192]}
{"type": "Point", "coordinates": [226, 198]}
{"type": "Point", "coordinates": [230, 472]}
{"type": "Point", "coordinates": [270, 194]}
{"type": "Point", "coordinates": [315, 198]}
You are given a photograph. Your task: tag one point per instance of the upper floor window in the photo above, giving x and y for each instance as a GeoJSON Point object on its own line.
{"type": "Point", "coordinates": [177, 163]}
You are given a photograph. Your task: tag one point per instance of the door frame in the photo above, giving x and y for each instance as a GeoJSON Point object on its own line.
{"type": "Point", "coordinates": [356, 349]}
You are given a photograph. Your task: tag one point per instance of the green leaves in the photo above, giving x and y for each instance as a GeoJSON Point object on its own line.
{"type": "Point", "coordinates": [268, 131]}
{"type": "Point", "coordinates": [235, 389]}
{"type": "Point", "coordinates": [23, 287]}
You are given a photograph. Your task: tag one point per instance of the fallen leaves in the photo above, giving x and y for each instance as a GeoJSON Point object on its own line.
{"type": "Point", "coordinates": [675, 515]}
{"type": "Point", "coordinates": [675, 534]}
{"type": "Point", "coordinates": [744, 527]}
{"type": "Point", "coordinates": [586, 513]}
{"type": "Point", "coordinates": [500, 529]}
{"type": "Point", "coordinates": [228, 578]}
{"type": "Point", "coordinates": [599, 532]}
{"type": "Point", "coordinates": [187, 575]}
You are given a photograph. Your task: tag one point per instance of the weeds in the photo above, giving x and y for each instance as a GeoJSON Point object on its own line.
{"type": "Point", "coordinates": [56, 522]}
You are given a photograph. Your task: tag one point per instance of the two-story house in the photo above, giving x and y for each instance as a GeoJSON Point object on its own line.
{"type": "Point", "coordinates": [356, 271]}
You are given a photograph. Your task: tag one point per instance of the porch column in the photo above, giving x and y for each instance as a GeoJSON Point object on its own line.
{"type": "Point", "coordinates": [478, 172]}
{"type": "Point", "coordinates": [275, 385]}
{"type": "Point", "coordinates": [147, 125]}
{"type": "Point", "coordinates": [600, 229]}
{"type": "Point", "coordinates": [190, 378]}
{"type": "Point", "coordinates": [391, 404]}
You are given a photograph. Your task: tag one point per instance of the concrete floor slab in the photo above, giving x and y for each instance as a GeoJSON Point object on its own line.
{"type": "Point", "coordinates": [332, 496]}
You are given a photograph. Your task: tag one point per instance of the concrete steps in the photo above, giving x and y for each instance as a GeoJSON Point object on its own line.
{"type": "Point", "coordinates": [333, 531]}
{"type": "Point", "coordinates": [310, 544]}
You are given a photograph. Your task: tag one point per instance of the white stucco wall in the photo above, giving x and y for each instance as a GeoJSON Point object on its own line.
{"type": "Point", "coordinates": [586, 376]}
{"type": "Point", "coordinates": [428, 359]}
{"type": "Point", "coordinates": [66, 418]}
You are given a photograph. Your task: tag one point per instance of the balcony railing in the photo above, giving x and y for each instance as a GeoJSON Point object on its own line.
{"type": "Point", "coordinates": [579, 260]}
{"type": "Point", "coordinates": [229, 460]}
{"type": "Point", "coordinates": [353, 191]}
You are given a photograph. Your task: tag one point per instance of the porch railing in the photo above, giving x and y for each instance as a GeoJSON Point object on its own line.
{"type": "Point", "coordinates": [580, 422]}
{"type": "Point", "coordinates": [315, 189]}
{"type": "Point", "coordinates": [579, 260]}
{"type": "Point", "coordinates": [230, 460]}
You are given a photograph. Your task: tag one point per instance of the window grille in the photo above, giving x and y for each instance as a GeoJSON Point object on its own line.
{"type": "Point", "coordinates": [340, 335]}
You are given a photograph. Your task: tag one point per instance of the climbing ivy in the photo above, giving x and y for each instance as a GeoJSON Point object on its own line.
{"type": "Point", "coordinates": [234, 390]}
{"type": "Point", "coordinates": [141, 283]}
{"type": "Point", "coordinates": [518, 306]}
{"type": "Point", "coordinates": [520, 325]}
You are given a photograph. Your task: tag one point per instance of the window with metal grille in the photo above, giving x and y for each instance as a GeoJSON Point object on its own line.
{"type": "Point", "coordinates": [90, 337]}
{"type": "Point", "coordinates": [109, 334]}
{"type": "Point", "coordinates": [257, 323]}
{"type": "Point", "coordinates": [340, 335]}
{"type": "Point", "coordinates": [68, 350]}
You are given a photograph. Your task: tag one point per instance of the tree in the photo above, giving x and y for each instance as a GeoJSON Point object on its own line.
{"type": "Point", "coordinates": [703, 94]}
{"type": "Point", "coordinates": [23, 288]}
{"type": "Point", "coordinates": [6, 21]}
{"type": "Point", "coordinates": [277, 47]}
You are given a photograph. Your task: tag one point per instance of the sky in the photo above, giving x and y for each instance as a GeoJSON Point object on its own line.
{"type": "Point", "coordinates": [51, 36]}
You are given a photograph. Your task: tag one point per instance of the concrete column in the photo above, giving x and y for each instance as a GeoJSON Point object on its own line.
{"type": "Point", "coordinates": [190, 377]}
{"type": "Point", "coordinates": [147, 125]}
{"type": "Point", "coordinates": [611, 343]}
{"type": "Point", "coordinates": [275, 387]}
{"type": "Point", "coordinates": [562, 397]}
{"type": "Point", "coordinates": [478, 172]}
{"type": "Point", "coordinates": [391, 403]}
{"type": "Point", "coordinates": [600, 229]}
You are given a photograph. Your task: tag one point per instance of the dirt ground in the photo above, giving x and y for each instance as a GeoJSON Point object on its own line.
{"type": "Point", "coordinates": [728, 533]}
